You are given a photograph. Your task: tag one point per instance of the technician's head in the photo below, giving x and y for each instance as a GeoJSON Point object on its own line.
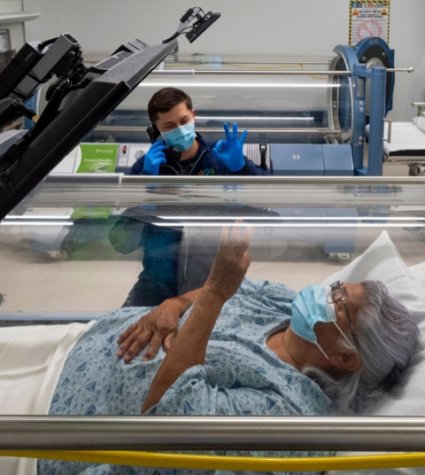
{"type": "Point", "coordinates": [165, 100]}
{"type": "Point", "coordinates": [171, 111]}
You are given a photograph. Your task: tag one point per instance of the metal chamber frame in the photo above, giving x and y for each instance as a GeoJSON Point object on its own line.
{"type": "Point", "coordinates": [213, 433]}
{"type": "Point", "coordinates": [216, 433]}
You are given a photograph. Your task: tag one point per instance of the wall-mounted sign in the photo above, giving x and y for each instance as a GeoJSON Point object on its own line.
{"type": "Point", "coordinates": [369, 18]}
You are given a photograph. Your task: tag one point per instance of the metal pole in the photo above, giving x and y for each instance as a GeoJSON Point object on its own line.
{"type": "Point", "coordinates": [280, 130]}
{"type": "Point", "coordinates": [205, 181]}
{"type": "Point", "coordinates": [248, 72]}
{"type": "Point", "coordinates": [213, 433]}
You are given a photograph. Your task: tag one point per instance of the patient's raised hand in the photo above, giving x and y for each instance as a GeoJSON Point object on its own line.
{"type": "Point", "coordinates": [231, 262]}
{"type": "Point", "coordinates": [159, 326]}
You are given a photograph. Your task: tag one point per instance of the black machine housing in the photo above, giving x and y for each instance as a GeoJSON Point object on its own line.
{"type": "Point", "coordinates": [76, 102]}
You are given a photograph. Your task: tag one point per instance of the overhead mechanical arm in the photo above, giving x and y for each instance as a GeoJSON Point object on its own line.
{"type": "Point", "coordinates": [78, 99]}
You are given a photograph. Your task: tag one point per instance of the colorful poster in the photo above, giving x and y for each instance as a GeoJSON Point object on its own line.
{"type": "Point", "coordinates": [95, 158]}
{"type": "Point", "coordinates": [369, 18]}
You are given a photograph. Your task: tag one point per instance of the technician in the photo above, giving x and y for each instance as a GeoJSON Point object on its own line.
{"type": "Point", "coordinates": [170, 267]}
{"type": "Point", "coordinates": [179, 150]}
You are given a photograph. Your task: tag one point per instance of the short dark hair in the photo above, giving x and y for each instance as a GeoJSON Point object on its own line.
{"type": "Point", "coordinates": [165, 99]}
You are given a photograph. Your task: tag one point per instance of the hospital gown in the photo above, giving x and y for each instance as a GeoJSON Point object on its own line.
{"type": "Point", "coordinates": [241, 375]}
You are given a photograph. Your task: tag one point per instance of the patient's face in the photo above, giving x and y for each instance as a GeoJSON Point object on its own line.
{"type": "Point", "coordinates": [303, 352]}
{"type": "Point", "coordinates": [346, 310]}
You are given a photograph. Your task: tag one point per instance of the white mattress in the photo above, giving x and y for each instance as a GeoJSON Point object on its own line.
{"type": "Point", "coordinates": [405, 137]}
{"type": "Point", "coordinates": [31, 360]}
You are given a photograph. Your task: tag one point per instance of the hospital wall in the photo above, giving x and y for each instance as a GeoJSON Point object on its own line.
{"type": "Point", "coordinates": [278, 27]}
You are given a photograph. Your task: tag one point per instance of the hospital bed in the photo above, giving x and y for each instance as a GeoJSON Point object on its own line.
{"type": "Point", "coordinates": [95, 279]}
{"type": "Point", "coordinates": [405, 141]}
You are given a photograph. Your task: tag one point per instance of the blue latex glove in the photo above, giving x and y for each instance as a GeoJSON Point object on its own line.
{"type": "Point", "coordinates": [229, 151]}
{"type": "Point", "coordinates": [154, 157]}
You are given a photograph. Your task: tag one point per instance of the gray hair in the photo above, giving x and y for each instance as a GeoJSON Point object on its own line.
{"type": "Point", "coordinates": [386, 337]}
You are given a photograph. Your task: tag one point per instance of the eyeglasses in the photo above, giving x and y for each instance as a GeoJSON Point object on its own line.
{"type": "Point", "coordinates": [337, 295]}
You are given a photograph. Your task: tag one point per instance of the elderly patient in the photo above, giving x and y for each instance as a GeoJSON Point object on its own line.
{"type": "Point", "coordinates": [259, 350]}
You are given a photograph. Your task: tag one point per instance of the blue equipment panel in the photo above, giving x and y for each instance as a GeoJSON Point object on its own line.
{"type": "Point", "coordinates": [337, 160]}
{"type": "Point", "coordinates": [297, 159]}
{"type": "Point", "coordinates": [312, 159]}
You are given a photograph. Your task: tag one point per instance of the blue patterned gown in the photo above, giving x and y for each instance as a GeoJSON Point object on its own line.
{"type": "Point", "coordinates": [241, 375]}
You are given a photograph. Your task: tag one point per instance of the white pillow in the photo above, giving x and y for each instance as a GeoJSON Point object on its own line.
{"type": "Point", "coordinates": [418, 272]}
{"type": "Point", "coordinates": [382, 261]}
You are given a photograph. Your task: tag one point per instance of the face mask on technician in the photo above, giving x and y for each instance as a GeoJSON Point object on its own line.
{"type": "Point", "coordinates": [181, 137]}
{"type": "Point", "coordinates": [309, 307]}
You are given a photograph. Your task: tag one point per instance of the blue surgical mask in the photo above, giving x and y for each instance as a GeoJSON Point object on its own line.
{"type": "Point", "coordinates": [181, 137]}
{"type": "Point", "coordinates": [309, 307]}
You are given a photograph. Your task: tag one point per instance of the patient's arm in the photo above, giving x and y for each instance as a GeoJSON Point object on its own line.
{"type": "Point", "coordinates": [156, 328]}
{"type": "Point", "coordinates": [189, 347]}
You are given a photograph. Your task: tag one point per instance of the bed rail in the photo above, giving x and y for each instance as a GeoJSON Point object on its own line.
{"type": "Point", "coordinates": [213, 433]}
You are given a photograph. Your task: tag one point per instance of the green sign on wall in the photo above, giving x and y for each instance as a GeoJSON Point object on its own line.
{"type": "Point", "coordinates": [98, 158]}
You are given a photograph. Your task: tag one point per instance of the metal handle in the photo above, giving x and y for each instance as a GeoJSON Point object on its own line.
{"type": "Point", "coordinates": [409, 69]}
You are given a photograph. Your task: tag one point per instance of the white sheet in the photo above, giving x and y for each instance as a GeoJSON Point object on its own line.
{"type": "Point", "coordinates": [31, 357]}
{"type": "Point", "coordinates": [405, 137]}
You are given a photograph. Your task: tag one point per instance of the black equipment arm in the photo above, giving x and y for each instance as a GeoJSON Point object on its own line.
{"type": "Point", "coordinates": [78, 100]}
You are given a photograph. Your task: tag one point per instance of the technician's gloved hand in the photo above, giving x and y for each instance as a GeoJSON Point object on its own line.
{"type": "Point", "coordinates": [229, 151]}
{"type": "Point", "coordinates": [154, 157]}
